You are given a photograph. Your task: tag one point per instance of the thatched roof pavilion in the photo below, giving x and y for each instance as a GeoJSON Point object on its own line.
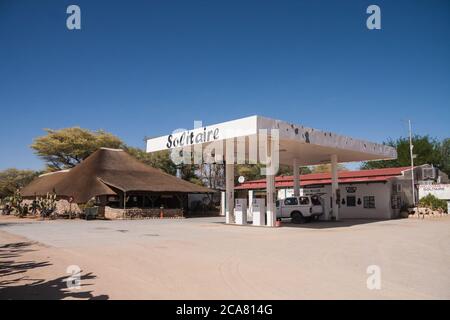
{"type": "Point", "coordinates": [109, 172]}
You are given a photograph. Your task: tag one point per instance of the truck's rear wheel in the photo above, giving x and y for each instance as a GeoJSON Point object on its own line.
{"type": "Point", "coordinates": [297, 217]}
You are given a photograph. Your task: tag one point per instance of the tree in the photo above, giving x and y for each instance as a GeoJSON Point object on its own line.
{"type": "Point", "coordinates": [160, 160]}
{"type": "Point", "coordinates": [325, 168]}
{"type": "Point", "coordinates": [13, 179]}
{"type": "Point", "coordinates": [426, 149]}
{"type": "Point", "coordinates": [65, 148]}
{"type": "Point", "coordinates": [253, 171]}
{"type": "Point", "coordinates": [212, 175]}
{"type": "Point", "coordinates": [248, 171]}
{"type": "Point", "coordinates": [444, 163]}
{"type": "Point", "coordinates": [430, 201]}
{"type": "Point", "coordinates": [189, 173]}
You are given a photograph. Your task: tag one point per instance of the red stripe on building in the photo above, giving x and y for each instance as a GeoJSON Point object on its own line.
{"type": "Point", "coordinates": [373, 175]}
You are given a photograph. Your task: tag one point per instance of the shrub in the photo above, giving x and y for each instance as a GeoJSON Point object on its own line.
{"type": "Point", "coordinates": [433, 203]}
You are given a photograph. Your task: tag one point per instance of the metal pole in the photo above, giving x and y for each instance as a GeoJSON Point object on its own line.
{"type": "Point", "coordinates": [334, 186]}
{"type": "Point", "coordinates": [124, 203]}
{"type": "Point", "coordinates": [411, 146]}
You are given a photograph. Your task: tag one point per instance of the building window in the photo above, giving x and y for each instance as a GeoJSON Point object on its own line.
{"type": "Point", "coordinates": [428, 173]}
{"type": "Point", "coordinates": [290, 202]}
{"type": "Point", "coordinates": [396, 188]}
{"type": "Point", "coordinates": [396, 202]}
{"type": "Point", "coordinates": [351, 201]}
{"type": "Point", "coordinates": [369, 202]}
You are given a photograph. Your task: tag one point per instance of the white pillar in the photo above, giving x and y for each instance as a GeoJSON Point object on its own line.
{"type": "Point", "coordinates": [334, 186]}
{"type": "Point", "coordinates": [259, 212]}
{"type": "Point", "coordinates": [222, 203]}
{"type": "Point", "coordinates": [270, 196]}
{"type": "Point", "coordinates": [240, 211]}
{"type": "Point", "coordinates": [250, 205]}
{"type": "Point", "coordinates": [296, 177]}
{"type": "Point", "coordinates": [229, 189]}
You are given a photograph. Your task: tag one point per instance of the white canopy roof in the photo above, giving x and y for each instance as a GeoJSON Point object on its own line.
{"type": "Point", "coordinates": [309, 146]}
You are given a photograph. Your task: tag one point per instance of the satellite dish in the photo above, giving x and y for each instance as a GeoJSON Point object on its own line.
{"type": "Point", "coordinates": [241, 179]}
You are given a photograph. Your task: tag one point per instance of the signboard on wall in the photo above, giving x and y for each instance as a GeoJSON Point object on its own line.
{"type": "Point", "coordinates": [286, 193]}
{"type": "Point", "coordinates": [440, 191]}
{"type": "Point", "coordinates": [350, 189]}
{"type": "Point", "coordinates": [311, 191]}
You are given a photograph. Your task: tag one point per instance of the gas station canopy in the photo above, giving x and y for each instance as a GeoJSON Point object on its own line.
{"type": "Point", "coordinates": [307, 145]}
{"type": "Point", "coordinates": [295, 145]}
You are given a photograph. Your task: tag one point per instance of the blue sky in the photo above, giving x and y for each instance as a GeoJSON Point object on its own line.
{"type": "Point", "coordinates": [144, 68]}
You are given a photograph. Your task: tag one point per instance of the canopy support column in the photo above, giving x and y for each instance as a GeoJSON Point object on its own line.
{"type": "Point", "coordinates": [222, 203]}
{"type": "Point", "coordinates": [270, 196]}
{"type": "Point", "coordinates": [296, 177]}
{"type": "Point", "coordinates": [229, 190]}
{"type": "Point", "coordinates": [335, 186]}
{"type": "Point", "coordinates": [250, 204]}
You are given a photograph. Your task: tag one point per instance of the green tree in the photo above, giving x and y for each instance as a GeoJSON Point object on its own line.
{"type": "Point", "coordinates": [160, 160]}
{"type": "Point", "coordinates": [426, 149]}
{"type": "Point", "coordinates": [444, 163]}
{"type": "Point", "coordinates": [248, 171]}
{"type": "Point", "coordinates": [325, 168]}
{"type": "Point", "coordinates": [65, 148]}
{"type": "Point", "coordinates": [433, 203]}
{"type": "Point", "coordinates": [253, 171]}
{"type": "Point", "coordinates": [189, 173]}
{"type": "Point", "coordinates": [13, 179]}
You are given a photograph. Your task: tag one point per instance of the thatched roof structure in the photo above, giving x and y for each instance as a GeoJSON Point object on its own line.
{"type": "Point", "coordinates": [105, 171]}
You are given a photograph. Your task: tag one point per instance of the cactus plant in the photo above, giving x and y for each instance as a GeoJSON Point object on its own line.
{"type": "Point", "coordinates": [46, 205]}
{"type": "Point", "coordinates": [16, 204]}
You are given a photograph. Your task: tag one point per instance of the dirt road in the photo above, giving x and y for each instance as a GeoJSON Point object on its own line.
{"type": "Point", "coordinates": [204, 259]}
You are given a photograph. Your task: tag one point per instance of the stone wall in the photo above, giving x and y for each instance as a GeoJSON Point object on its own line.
{"type": "Point", "coordinates": [63, 207]}
{"type": "Point", "coordinates": [138, 213]}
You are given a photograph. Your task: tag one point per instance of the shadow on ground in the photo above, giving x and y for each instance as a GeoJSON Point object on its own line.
{"type": "Point", "coordinates": [16, 285]}
{"type": "Point", "coordinates": [329, 224]}
{"type": "Point", "coordinates": [318, 224]}
{"type": "Point", "coordinates": [10, 224]}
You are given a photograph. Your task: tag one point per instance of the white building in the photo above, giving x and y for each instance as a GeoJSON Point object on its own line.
{"type": "Point", "coordinates": [369, 194]}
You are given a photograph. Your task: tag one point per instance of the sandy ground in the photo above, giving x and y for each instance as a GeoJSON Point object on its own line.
{"type": "Point", "coordinates": [202, 258]}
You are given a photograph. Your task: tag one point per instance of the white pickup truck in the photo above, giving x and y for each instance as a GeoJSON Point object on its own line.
{"type": "Point", "coordinates": [300, 209]}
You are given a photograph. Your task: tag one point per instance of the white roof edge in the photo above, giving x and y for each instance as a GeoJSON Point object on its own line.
{"type": "Point", "coordinates": [110, 149]}
{"type": "Point", "coordinates": [317, 137]}
{"type": "Point", "coordinates": [54, 172]}
{"type": "Point", "coordinates": [420, 165]}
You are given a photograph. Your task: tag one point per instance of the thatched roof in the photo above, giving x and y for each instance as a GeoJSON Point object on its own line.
{"type": "Point", "coordinates": [103, 172]}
